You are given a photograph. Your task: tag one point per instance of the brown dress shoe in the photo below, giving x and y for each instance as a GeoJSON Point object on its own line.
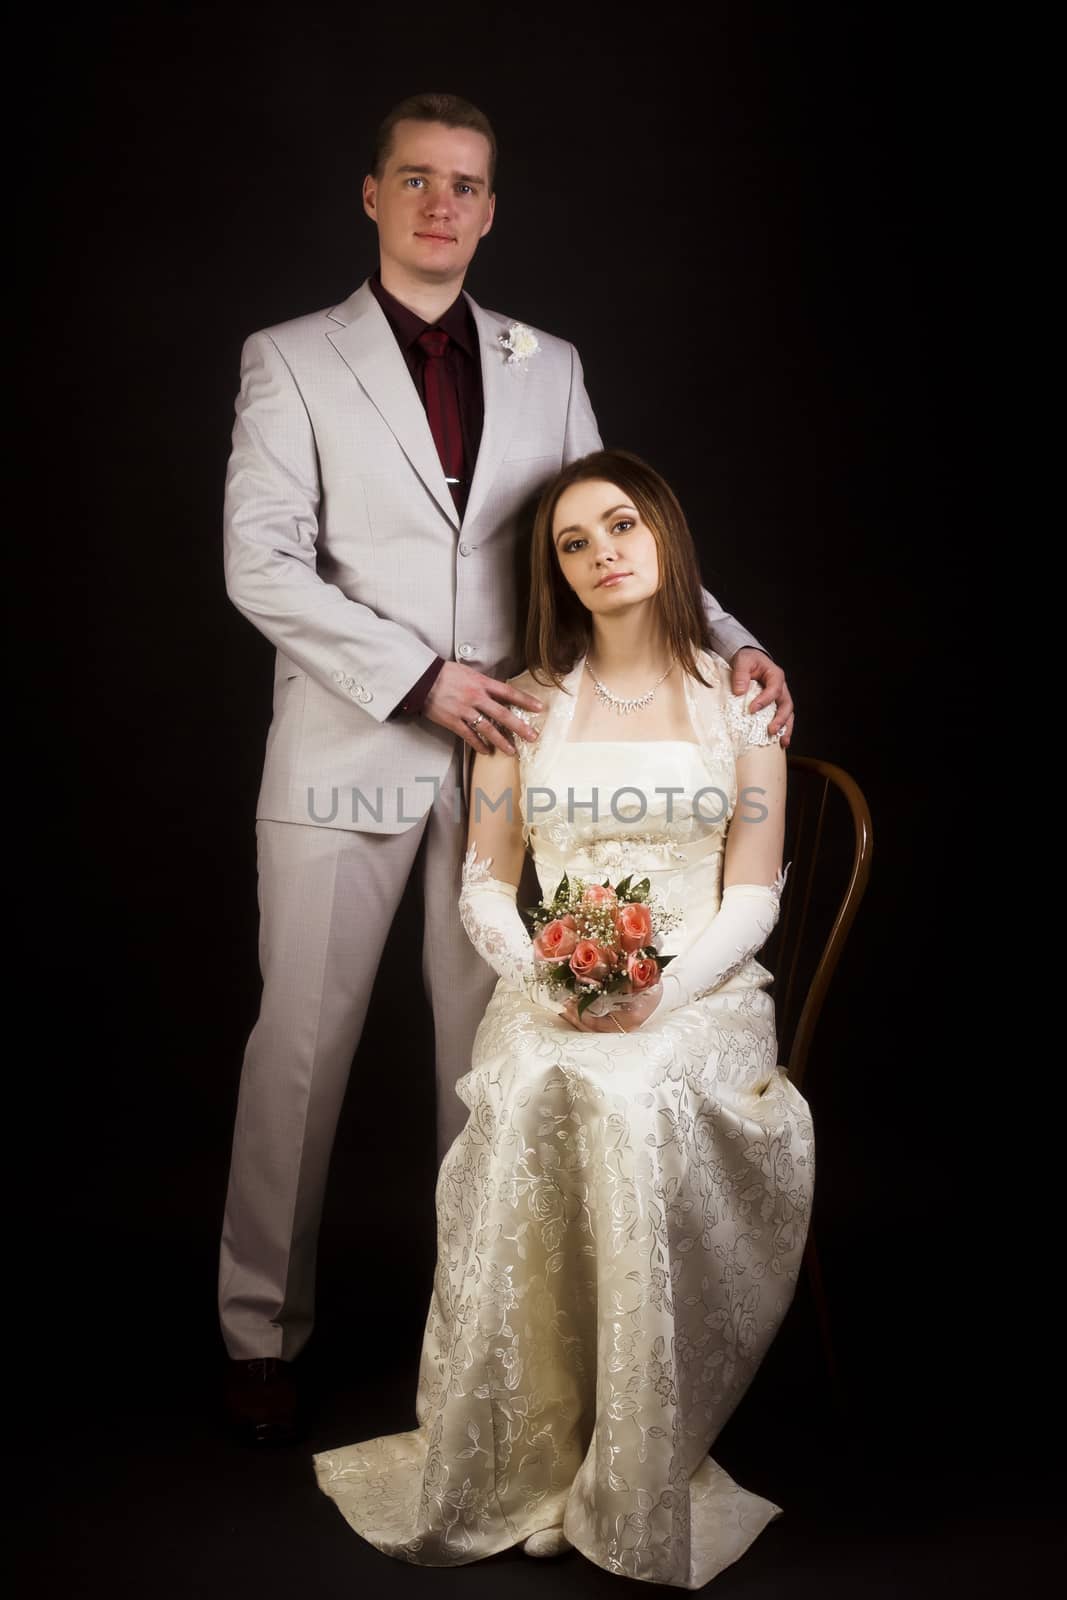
{"type": "Point", "coordinates": [262, 1401]}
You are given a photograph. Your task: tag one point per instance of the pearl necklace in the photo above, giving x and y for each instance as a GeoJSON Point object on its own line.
{"type": "Point", "coordinates": [624, 707]}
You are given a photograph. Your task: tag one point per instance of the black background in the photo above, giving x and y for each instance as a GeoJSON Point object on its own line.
{"type": "Point", "coordinates": [750, 223]}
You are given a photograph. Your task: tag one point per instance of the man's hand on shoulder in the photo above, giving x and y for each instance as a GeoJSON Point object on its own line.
{"type": "Point", "coordinates": [749, 664]}
{"type": "Point", "coordinates": [476, 707]}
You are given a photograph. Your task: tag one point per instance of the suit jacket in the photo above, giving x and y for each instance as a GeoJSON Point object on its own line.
{"type": "Point", "coordinates": [344, 547]}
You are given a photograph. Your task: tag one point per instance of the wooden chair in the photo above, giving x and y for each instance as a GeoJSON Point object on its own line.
{"type": "Point", "coordinates": [829, 843]}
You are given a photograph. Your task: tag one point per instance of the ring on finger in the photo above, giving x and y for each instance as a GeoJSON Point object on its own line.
{"type": "Point", "coordinates": [479, 718]}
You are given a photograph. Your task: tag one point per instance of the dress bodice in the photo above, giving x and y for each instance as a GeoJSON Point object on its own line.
{"type": "Point", "coordinates": [657, 808]}
{"type": "Point", "coordinates": [651, 808]}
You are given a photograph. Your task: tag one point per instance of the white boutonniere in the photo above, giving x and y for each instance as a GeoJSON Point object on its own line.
{"type": "Point", "coordinates": [520, 342]}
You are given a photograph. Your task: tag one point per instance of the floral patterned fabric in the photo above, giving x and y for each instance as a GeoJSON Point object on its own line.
{"type": "Point", "coordinates": [621, 1222]}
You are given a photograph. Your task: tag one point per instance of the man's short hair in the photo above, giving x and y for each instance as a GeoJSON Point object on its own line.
{"type": "Point", "coordinates": [451, 109]}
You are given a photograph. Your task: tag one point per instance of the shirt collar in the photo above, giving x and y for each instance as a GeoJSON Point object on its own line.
{"type": "Point", "coordinates": [406, 324]}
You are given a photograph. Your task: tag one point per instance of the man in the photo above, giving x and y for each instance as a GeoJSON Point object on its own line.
{"type": "Point", "coordinates": [385, 457]}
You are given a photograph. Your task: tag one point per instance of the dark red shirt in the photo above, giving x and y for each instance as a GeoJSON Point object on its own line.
{"type": "Point", "coordinates": [464, 368]}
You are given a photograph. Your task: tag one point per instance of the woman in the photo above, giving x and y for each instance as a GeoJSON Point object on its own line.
{"type": "Point", "coordinates": [621, 1221]}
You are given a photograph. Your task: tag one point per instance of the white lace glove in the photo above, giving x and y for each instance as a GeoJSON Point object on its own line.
{"type": "Point", "coordinates": [490, 916]}
{"type": "Point", "coordinates": [744, 922]}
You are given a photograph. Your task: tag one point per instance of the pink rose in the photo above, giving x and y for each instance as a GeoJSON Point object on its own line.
{"type": "Point", "coordinates": [590, 963]}
{"type": "Point", "coordinates": [642, 971]}
{"type": "Point", "coordinates": [633, 924]}
{"type": "Point", "coordinates": [556, 941]}
{"type": "Point", "coordinates": [599, 895]}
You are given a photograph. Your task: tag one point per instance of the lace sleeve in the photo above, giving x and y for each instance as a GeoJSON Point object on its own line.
{"type": "Point", "coordinates": [748, 731]}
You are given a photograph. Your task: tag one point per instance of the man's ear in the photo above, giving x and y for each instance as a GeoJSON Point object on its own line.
{"type": "Point", "coordinates": [370, 196]}
{"type": "Point", "coordinates": [489, 218]}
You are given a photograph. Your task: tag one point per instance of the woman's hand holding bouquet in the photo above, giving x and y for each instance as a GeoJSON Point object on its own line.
{"type": "Point", "coordinates": [597, 947]}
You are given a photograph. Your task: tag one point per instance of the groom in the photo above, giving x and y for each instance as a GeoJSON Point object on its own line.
{"type": "Point", "coordinates": [385, 456]}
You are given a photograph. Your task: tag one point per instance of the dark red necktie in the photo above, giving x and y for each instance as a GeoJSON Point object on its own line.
{"type": "Point", "coordinates": [442, 408]}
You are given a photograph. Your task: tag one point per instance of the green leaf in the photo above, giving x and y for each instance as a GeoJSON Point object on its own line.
{"type": "Point", "coordinates": [562, 890]}
{"type": "Point", "coordinates": [641, 891]}
{"type": "Point", "coordinates": [587, 1000]}
{"type": "Point", "coordinates": [623, 889]}
{"type": "Point", "coordinates": [663, 960]}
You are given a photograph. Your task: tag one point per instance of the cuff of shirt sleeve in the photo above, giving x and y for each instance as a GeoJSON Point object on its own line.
{"type": "Point", "coordinates": [416, 697]}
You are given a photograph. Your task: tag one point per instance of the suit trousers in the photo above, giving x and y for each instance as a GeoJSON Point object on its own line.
{"type": "Point", "coordinates": [327, 898]}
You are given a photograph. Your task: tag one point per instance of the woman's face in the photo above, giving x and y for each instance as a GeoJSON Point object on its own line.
{"type": "Point", "coordinates": [605, 552]}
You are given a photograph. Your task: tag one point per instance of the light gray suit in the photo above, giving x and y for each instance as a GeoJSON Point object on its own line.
{"type": "Point", "coordinates": [343, 546]}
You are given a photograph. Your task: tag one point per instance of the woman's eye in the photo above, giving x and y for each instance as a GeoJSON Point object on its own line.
{"type": "Point", "coordinates": [622, 526]}
{"type": "Point", "coordinates": [572, 544]}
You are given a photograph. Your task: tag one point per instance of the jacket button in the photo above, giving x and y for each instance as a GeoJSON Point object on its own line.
{"type": "Point", "coordinates": [466, 649]}
{"type": "Point", "coordinates": [465, 549]}
{"type": "Point", "coordinates": [364, 694]}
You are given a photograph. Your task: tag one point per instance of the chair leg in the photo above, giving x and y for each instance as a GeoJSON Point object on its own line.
{"type": "Point", "coordinates": [822, 1310]}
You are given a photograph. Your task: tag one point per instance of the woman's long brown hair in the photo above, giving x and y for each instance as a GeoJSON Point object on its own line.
{"type": "Point", "coordinates": [558, 626]}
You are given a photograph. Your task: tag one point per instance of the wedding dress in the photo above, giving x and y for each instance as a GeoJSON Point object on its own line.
{"type": "Point", "coordinates": [621, 1222]}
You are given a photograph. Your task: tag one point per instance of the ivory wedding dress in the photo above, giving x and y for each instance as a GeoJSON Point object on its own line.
{"type": "Point", "coordinates": [621, 1222]}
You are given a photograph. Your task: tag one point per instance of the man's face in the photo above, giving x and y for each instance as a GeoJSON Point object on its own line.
{"type": "Point", "coordinates": [432, 202]}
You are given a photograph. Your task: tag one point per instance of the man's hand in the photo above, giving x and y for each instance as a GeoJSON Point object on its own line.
{"type": "Point", "coordinates": [476, 707]}
{"type": "Point", "coordinates": [624, 1018]}
{"type": "Point", "coordinates": [750, 663]}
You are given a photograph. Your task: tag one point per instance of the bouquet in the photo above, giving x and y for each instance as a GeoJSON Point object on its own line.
{"type": "Point", "coordinates": [595, 941]}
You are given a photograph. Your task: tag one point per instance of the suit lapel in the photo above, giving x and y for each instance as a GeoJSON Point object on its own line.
{"type": "Point", "coordinates": [502, 388]}
{"type": "Point", "coordinates": [365, 342]}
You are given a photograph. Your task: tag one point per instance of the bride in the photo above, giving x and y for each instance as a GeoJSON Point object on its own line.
{"type": "Point", "coordinates": [621, 1221]}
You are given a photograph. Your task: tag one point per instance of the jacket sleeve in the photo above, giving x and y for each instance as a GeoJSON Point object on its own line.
{"type": "Point", "coordinates": [582, 435]}
{"type": "Point", "coordinates": [271, 525]}
{"type": "Point", "coordinates": [727, 634]}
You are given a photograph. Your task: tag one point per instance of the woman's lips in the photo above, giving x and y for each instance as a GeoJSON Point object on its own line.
{"type": "Point", "coordinates": [612, 579]}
